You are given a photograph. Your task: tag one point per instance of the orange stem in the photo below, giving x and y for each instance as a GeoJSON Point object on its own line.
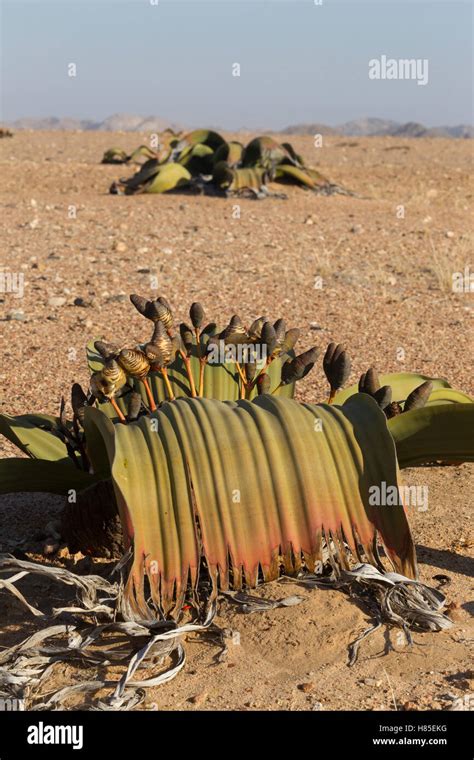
{"type": "Point", "coordinates": [149, 394]}
{"type": "Point", "coordinates": [169, 389]}
{"type": "Point", "coordinates": [187, 362]}
{"type": "Point", "coordinates": [243, 383]}
{"type": "Point", "coordinates": [242, 376]}
{"type": "Point", "coordinates": [117, 409]}
{"type": "Point", "coordinates": [202, 364]}
{"type": "Point", "coordinates": [198, 343]}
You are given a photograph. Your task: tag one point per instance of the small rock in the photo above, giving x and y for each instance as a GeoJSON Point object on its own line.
{"type": "Point", "coordinates": [314, 326]}
{"type": "Point", "coordinates": [143, 270]}
{"type": "Point", "coordinates": [16, 316]}
{"type": "Point", "coordinates": [120, 247]}
{"type": "Point", "coordinates": [309, 220]}
{"type": "Point", "coordinates": [371, 682]}
{"type": "Point", "coordinates": [454, 612]}
{"type": "Point", "coordinates": [357, 229]}
{"type": "Point", "coordinates": [449, 234]}
{"type": "Point", "coordinates": [306, 687]}
{"type": "Point", "coordinates": [198, 699]}
{"type": "Point", "coordinates": [56, 301]}
{"type": "Point", "coordinates": [79, 301]}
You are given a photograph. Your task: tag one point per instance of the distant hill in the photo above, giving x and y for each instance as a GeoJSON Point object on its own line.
{"type": "Point", "coordinates": [380, 128]}
{"type": "Point", "coordinates": [366, 127]}
{"type": "Point", "coordinates": [126, 122]}
{"type": "Point", "coordinates": [53, 123]}
{"type": "Point", "coordinates": [311, 129]}
{"type": "Point", "coordinates": [118, 122]}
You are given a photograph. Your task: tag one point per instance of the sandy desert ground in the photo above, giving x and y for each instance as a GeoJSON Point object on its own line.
{"type": "Point", "coordinates": [386, 286]}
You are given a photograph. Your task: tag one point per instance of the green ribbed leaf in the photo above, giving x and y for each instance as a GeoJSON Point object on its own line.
{"type": "Point", "coordinates": [235, 180]}
{"type": "Point", "coordinates": [98, 442]}
{"type": "Point", "coordinates": [34, 475]}
{"type": "Point", "coordinates": [449, 396]}
{"type": "Point", "coordinates": [434, 433]}
{"type": "Point", "coordinates": [198, 159]}
{"type": "Point", "coordinates": [148, 170]}
{"type": "Point", "coordinates": [295, 174]}
{"type": "Point", "coordinates": [201, 136]}
{"type": "Point", "coordinates": [402, 383]}
{"type": "Point", "coordinates": [168, 177]}
{"type": "Point", "coordinates": [143, 151]}
{"type": "Point", "coordinates": [35, 435]}
{"type": "Point", "coordinates": [230, 153]}
{"type": "Point", "coordinates": [115, 156]}
{"type": "Point", "coordinates": [264, 151]}
{"type": "Point", "coordinates": [248, 486]}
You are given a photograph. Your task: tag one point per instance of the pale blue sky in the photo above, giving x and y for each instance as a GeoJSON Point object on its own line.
{"type": "Point", "coordinates": [299, 62]}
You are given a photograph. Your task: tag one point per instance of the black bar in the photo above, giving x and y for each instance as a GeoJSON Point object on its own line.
{"type": "Point", "coordinates": [373, 734]}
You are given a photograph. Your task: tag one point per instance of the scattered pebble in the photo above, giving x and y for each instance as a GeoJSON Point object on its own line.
{"type": "Point", "coordinates": [16, 316]}
{"type": "Point", "coordinates": [357, 229]}
{"type": "Point", "coordinates": [56, 301]}
{"type": "Point", "coordinates": [198, 699]}
{"type": "Point", "coordinates": [454, 612]}
{"type": "Point", "coordinates": [120, 247]}
{"type": "Point", "coordinates": [306, 687]}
